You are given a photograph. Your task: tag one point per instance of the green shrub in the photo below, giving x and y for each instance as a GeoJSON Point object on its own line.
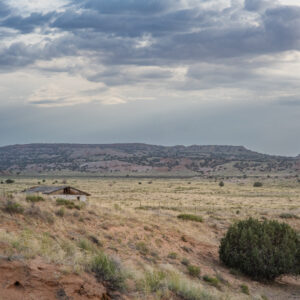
{"type": "Point", "coordinates": [60, 212]}
{"type": "Point", "coordinates": [288, 216]}
{"type": "Point", "coordinates": [172, 255]}
{"type": "Point", "coordinates": [211, 280]}
{"type": "Point", "coordinates": [9, 181]}
{"type": "Point", "coordinates": [186, 289]}
{"type": "Point", "coordinates": [34, 198]}
{"type": "Point", "coordinates": [257, 184]}
{"type": "Point", "coordinates": [245, 289]}
{"type": "Point", "coordinates": [13, 207]}
{"type": "Point", "coordinates": [262, 250]}
{"type": "Point", "coordinates": [190, 217]}
{"type": "Point", "coordinates": [67, 203]}
{"type": "Point", "coordinates": [193, 270]}
{"type": "Point", "coordinates": [153, 281]}
{"type": "Point", "coordinates": [185, 261]}
{"type": "Point", "coordinates": [142, 248]}
{"type": "Point", "coordinates": [221, 183]}
{"type": "Point", "coordinates": [108, 270]}
{"type": "Point", "coordinates": [86, 245]}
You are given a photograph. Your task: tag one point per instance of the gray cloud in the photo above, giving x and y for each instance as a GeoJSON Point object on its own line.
{"type": "Point", "coordinates": [4, 10]}
{"type": "Point", "coordinates": [27, 24]}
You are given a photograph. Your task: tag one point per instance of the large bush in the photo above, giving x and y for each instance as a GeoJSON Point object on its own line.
{"type": "Point", "coordinates": [262, 250]}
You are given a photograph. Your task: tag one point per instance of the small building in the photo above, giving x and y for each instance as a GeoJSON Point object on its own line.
{"type": "Point", "coordinates": [64, 192]}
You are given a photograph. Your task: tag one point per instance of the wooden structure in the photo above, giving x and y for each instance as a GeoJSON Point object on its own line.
{"type": "Point", "coordinates": [65, 192]}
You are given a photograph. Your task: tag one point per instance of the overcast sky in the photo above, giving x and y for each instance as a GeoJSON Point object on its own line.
{"type": "Point", "coordinates": [162, 72]}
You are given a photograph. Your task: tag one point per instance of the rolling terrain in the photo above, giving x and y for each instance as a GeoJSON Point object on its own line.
{"type": "Point", "coordinates": [141, 160]}
{"type": "Point", "coordinates": [131, 227]}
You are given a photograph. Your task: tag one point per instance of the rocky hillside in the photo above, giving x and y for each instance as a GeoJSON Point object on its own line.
{"type": "Point", "coordinates": [140, 159]}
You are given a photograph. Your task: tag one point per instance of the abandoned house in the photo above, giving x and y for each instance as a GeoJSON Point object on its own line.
{"type": "Point", "coordinates": [65, 192]}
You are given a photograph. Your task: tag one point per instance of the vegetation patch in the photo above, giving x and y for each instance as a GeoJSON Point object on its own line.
{"type": "Point", "coordinates": [34, 198]}
{"type": "Point", "coordinates": [257, 184]}
{"type": "Point", "coordinates": [185, 261]}
{"type": "Point", "coordinates": [9, 181]}
{"type": "Point", "coordinates": [245, 289]}
{"type": "Point", "coordinates": [190, 217]}
{"type": "Point", "coordinates": [262, 250]}
{"type": "Point", "coordinates": [193, 270]}
{"type": "Point", "coordinates": [142, 248]}
{"type": "Point", "coordinates": [68, 203]}
{"type": "Point", "coordinates": [108, 270]}
{"type": "Point", "coordinates": [212, 280]}
{"type": "Point", "coordinates": [185, 289]}
{"type": "Point", "coordinates": [288, 216]}
{"type": "Point", "coordinates": [149, 207]}
{"type": "Point", "coordinates": [172, 255]}
{"type": "Point", "coordinates": [13, 207]}
{"type": "Point", "coordinates": [153, 281]}
{"type": "Point", "coordinates": [60, 212]}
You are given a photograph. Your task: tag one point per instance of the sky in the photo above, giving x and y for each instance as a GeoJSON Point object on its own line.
{"type": "Point", "coordinates": [172, 72]}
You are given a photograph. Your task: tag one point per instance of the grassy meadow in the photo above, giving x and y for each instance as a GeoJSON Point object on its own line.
{"type": "Point", "coordinates": [149, 238]}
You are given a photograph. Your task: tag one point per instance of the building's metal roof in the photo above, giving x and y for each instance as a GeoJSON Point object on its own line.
{"type": "Point", "coordinates": [49, 189]}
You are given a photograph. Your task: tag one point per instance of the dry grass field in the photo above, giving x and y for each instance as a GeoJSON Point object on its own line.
{"type": "Point", "coordinates": [133, 226]}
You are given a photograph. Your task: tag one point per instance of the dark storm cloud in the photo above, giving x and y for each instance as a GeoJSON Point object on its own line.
{"type": "Point", "coordinates": [112, 30]}
{"type": "Point", "coordinates": [127, 25]}
{"type": "Point", "coordinates": [256, 5]}
{"type": "Point", "coordinates": [184, 35]}
{"type": "Point", "coordinates": [4, 10]}
{"type": "Point", "coordinates": [27, 24]}
{"type": "Point", "coordinates": [17, 55]}
{"type": "Point", "coordinates": [132, 6]}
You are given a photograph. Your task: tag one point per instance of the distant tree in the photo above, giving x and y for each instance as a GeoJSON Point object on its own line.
{"type": "Point", "coordinates": [257, 184]}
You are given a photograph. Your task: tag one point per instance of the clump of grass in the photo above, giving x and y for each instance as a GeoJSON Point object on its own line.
{"type": "Point", "coordinates": [185, 261]}
{"type": "Point", "coordinates": [142, 248]}
{"type": "Point", "coordinates": [147, 228]}
{"type": "Point", "coordinates": [185, 289]}
{"type": "Point", "coordinates": [34, 198]}
{"type": "Point", "coordinates": [13, 207]}
{"type": "Point", "coordinates": [60, 212]}
{"type": "Point", "coordinates": [153, 281]}
{"type": "Point", "coordinates": [245, 289]}
{"type": "Point", "coordinates": [193, 270]}
{"type": "Point", "coordinates": [183, 238]}
{"type": "Point", "coordinates": [172, 255]}
{"type": "Point", "coordinates": [190, 217]}
{"type": "Point", "coordinates": [288, 216]}
{"type": "Point", "coordinates": [86, 245]}
{"type": "Point", "coordinates": [211, 280]}
{"type": "Point", "coordinates": [108, 270]}
{"type": "Point", "coordinates": [36, 212]}
{"type": "Point", "coordinates": [68, 203]}
{"type": "Point", "coordinates": [117, 206]}
{"type": "Point", "coordinates": [257, 184]}
{"type": "Point", "coordinates": [95, 241]}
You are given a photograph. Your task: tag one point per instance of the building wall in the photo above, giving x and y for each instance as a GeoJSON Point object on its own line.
{"type": "Point", "coordinates": [70, 197]}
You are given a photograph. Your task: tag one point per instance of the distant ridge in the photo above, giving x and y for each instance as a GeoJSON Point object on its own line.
{"type": "Point", "coordinates": [140, 159]}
